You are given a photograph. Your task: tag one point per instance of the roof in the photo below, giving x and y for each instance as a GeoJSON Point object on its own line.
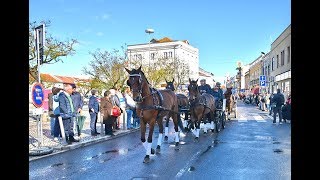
{"type": "Point", "coordinates": [60, 79]}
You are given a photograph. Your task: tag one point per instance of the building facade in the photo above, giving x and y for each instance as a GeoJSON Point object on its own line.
{"type": "Point", "coordinates": [150, 52]}
{"type": "Point", "coordinates": [280, 62]}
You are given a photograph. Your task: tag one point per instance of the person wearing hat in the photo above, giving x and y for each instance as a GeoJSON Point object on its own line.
{"type": "Point", "coordinates": [78, 105]}
{"type": "Point", "coordinates": [67, 112]}
{"type": "Point", "coordinates": [93, 111]}
{"type": "Point", "coordinates": [217, 96]}
{"type": "Point", "coordinates": [218, 84]}
{"type": "Point", "coordinates": [204, 87]}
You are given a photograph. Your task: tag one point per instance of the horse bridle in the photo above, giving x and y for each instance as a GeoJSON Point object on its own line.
{"type": "Point", "coordinates": [139, 90]}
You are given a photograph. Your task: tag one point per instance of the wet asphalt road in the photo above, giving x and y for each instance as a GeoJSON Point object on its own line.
{"type": "Point", "coordinates": [250, 149]}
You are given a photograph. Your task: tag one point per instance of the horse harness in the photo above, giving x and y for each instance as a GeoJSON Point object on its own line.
{"type": "Point", "coordinates": [157, 99]}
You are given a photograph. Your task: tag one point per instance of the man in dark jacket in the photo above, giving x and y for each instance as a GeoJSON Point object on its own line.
{"type": "Point", "coordinates": [278, 99]}
{"type": "Point", "coordinates": [204, 88]}
{"type": "Point", "coordinates": [78, 104]}
{"type": "Point", "coordinates": [67, 112]}
{"type": "Point", "coordinates": [93, 111]}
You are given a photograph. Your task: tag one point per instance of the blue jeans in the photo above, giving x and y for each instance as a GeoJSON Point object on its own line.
{"type": "Point", "coordinates": [56, 129]}
{"type": "Point", "coordinates": [129, 117]}
{"type": "Point", "coordinates": [93, 122]}
{"type": "Point", "coordinates": [52, 124]}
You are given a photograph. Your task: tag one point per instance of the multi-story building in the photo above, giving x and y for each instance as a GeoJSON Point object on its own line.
{"type": "Point", "coordinates": [208, 76]}
{"type": "Point", "coordinates": [266, 70]}
{"type": "Point", "coordinates": [255, 71]}
{"type": "Point", "coordinates": [166, 48]}
{"type": "Point", "coordinates": [280, 55]}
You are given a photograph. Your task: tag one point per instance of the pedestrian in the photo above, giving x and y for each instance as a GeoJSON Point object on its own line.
{"type": "Point", "coordinates": [271, 104]}
{"type": "Point", "coordinates": [115, 102]}
{"type": "Point", "coordinates": [67, 112]}
{"type": "Point", "coordinates": [267, 98]}
{"type": "Point", "coordinates": [263, 102]}
{"type": "Point", "coordinates": [278, 100]}
{"type": "Point", "coordinates": [105, 109]}
{"type": "Point", "coordinates": [286, 110]}
{"type": "Point", "coordinates": [78, 105]}
{"type": "Point", "coordinates": [130, 107]}
{"type": "Point", "coordinates": [93, 111]}
{"type": "Point", "coordinates": [54, 111]}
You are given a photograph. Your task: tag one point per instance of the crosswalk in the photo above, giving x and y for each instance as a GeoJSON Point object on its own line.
{"type": "Point", "coordinates": [258, 117]}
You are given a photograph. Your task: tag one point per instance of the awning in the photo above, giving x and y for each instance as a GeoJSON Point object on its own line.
{"type": "Point", "coordinates": [255, 90]}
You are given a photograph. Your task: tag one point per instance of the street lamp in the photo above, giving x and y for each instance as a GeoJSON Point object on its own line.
{"type": "Point", "coordinates": [149, 31]}
{"type": "Point", "coordinates": [239, 68]}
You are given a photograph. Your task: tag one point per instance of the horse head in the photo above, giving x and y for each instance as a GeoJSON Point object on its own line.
{"type": "Point", "coordinates": [193, 89]}
{"type": "Point", "coordinates": [170, 85]}
{"type": "Point", "coordinates": [136, 82]}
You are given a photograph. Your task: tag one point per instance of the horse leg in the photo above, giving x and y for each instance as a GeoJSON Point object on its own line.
{"type": "Point", "coordinates": [166, 129]}
{"type": "Point", "coordinates": [148, 144]}
{"type": "Point", "coordinates": [160, 136]}
{"type": "Point", "coordinates": [175, 122]}
{"type": "Point", "coordinates": [180, 122]}
{"type": "Point", "coordinates": [197, 129]}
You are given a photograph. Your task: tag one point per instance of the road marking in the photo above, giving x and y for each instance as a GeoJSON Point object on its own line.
{"type": "Point", "coordinates": [242, 120]}
{"type": "Point", "coordinates": [259, 119]}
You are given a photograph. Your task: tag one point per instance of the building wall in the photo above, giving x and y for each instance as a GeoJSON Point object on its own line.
{"type": "Point", "coordinates": [175, 49]}
{"type": "Point", "coordinates": [281, 70]}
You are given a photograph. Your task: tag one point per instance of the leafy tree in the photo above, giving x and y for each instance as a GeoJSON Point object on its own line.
{"type": "Point", "coordinates": [53, 52]}
{"type": "Point", "coordinates": [107, 69]}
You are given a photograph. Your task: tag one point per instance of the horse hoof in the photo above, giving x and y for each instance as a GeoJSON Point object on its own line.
{"type": "Point", "coordinates": [146, 159]}
{"type": "Point", "coordinates": [166, 138]}
{"type": "Point", "coordinates": [158, 150]}
{"type": "Point", "coordinates": [152, 151]}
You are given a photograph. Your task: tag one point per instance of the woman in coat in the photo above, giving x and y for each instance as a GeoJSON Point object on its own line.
{"type": "Point", "coordinates": [105, 109]}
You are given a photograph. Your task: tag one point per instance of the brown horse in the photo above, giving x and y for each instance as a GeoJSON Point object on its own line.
{"type": "Point", "coordinates": [230, 100]}
{"type": "Point", "coordinates": [201, 105]}
{"type": "Point", "coordinates": [152, 106]}
{"type": "Point", "coordinates": [183, 106]}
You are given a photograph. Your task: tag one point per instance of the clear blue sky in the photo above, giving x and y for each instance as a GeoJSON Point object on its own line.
{"type": "Point", "coordinates": [224, 31]}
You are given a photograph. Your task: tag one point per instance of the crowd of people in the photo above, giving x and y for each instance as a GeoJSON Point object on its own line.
{"type": "Point", "coordinates": [66, 102]}
{"type": "Point", "coordinates": [275, 103]}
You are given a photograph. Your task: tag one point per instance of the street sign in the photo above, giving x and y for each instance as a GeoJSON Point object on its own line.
{"type": "Point", "coordinates": [37, 94]}
{"type": "Point", "coordinates": [262, 80]}
{"type": "Point", "coordinates": [262, 83]}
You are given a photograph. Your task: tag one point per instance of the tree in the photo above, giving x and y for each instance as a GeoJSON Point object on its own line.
{"type": "Point", "coordinates": [179, 71]}
{"type": "Point", "coordinates": [107, 69]}
{"type": "Point", "coordinates": [53, 52]}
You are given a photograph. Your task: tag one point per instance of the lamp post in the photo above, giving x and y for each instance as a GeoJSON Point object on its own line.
{"type": "Point", "coordinates": [149, 31]}
{"type": "Point", "coordinates": [239, 68]}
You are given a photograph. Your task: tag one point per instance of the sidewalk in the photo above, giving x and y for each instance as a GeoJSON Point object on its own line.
{"type": "Point", "coordinates": [60, 146]}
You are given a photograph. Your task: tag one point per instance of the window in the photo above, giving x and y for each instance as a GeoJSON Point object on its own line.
{"type": "Point", "coordinates": [152, 56]}
{"type": "Point", "coordinates": [137, 56]}
{"type": "Point", "coordinates": [288, 55]}
{"type": "Point", "coordinates": [170, 54]}
{"type": "Point", "coordinates": [278, 61]}
{"type": "Point", "coordinates": [282, 58]}
{"type": "Point", "coordinates": [272, 64]}
{"type": "Point", "coordinates": [165, 55]}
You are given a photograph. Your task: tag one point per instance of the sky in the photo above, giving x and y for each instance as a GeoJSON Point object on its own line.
{"type": "Point", "coordinates": [224, 31]}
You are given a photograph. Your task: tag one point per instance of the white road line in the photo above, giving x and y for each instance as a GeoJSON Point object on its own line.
{"type": "Point", "coordinates": [259, 119]}
{"type": "Point", "coordinates": [242, 120]}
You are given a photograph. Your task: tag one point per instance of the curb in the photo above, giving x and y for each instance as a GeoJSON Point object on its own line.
{"type": "Point", "coordinates": [64, 148]}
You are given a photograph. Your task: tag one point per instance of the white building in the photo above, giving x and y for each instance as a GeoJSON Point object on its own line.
{"type": "Point", "coordinates": [166, 48]}
{"type": "Point", "coordinates": [208, 76]}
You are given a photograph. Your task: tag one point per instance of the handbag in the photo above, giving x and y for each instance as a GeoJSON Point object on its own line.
{"type": "Point", "coordinates": [115, 111]}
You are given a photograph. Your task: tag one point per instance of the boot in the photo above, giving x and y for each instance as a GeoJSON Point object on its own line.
{"type": "Point", "coordinates": [68, 140]}
{"type": "Point", "coordinates": [72, 139]}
